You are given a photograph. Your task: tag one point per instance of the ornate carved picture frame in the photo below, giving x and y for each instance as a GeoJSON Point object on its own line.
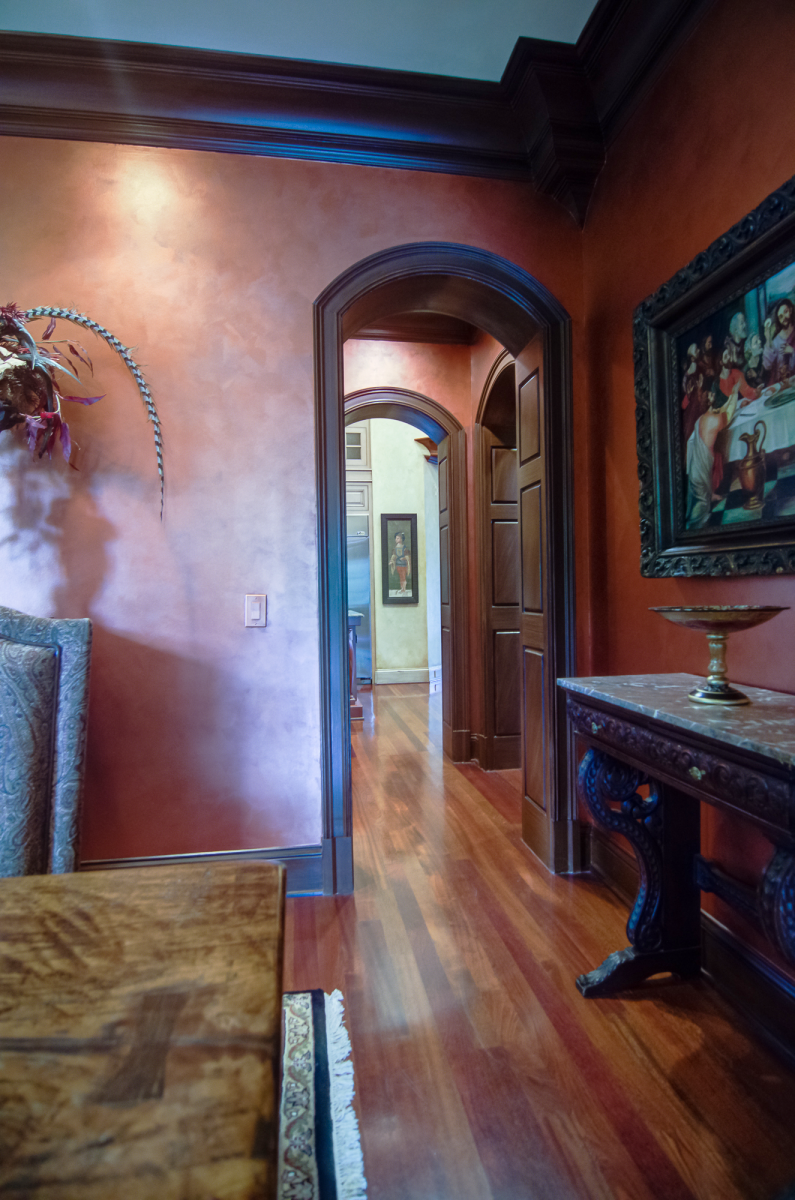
{"type": "Point", "coordinates": [714, 355]}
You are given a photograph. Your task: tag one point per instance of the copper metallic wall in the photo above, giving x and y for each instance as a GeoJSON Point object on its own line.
{"type": "Point", "coordinates": [711, 141]}
{"type": "Point", "coordinates": [205, 735]}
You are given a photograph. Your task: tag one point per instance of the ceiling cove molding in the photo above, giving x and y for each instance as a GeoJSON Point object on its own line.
{"type": "Point", "coordinates": [53, 86]}
{"type": "Point", "coordinates": [548, 121]}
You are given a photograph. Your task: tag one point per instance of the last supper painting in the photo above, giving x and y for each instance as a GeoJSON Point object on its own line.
{"type": "Point", "coordinates": [736, 372]}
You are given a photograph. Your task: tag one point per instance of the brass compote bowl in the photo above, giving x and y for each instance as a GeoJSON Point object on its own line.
{"type": "Point", "coordinates": [718, 621]}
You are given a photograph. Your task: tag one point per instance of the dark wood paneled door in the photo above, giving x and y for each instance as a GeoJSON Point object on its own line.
{"type": "Point", "coordinates": [501, 747]}
{"type": "Point", "coordinates": [537, 680]}
{"type": "Point", "coordinates": [452, 585]}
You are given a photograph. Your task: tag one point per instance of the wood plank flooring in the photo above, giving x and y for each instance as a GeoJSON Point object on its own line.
{"type": "Point", "coordinates": [481, 1072]}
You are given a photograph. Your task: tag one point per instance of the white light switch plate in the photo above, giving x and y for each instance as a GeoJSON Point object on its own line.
{"type": "Point", "coordinates": [256, 611]}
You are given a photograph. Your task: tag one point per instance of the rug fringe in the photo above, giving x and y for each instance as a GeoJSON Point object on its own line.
{"type": "Point", "coordinates": [348, 1160]}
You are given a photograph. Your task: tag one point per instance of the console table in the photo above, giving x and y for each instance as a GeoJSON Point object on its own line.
{"type": "Point", "coordinates": [643, 730]}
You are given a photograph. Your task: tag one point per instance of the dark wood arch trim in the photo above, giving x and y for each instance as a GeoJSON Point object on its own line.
{"type": "Point", "coordinates": [497, 367]}
{"type": "Point", "coordinates": [436, 422]}
{"type": "Point", "coordinates": [513, 306]}
{"type": "Point", "coordinates": [401, 404]}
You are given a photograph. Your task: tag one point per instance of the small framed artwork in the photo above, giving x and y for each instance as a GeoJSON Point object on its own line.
{"type": "Point", "coordinates": [715, 393]}
{"type": "Point", "coordinates": [399, 573]}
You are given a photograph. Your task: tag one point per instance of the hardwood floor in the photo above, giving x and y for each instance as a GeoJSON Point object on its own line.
{"type": "Point", "coordinates": [481, 1072]}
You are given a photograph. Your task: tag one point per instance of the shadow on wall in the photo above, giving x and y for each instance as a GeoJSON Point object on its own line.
{"type": "Point", "coordinates": [161, 775]}
{"type": "Point", "coordinates": [164, 772]}
{"type": "Point", "coordinates": [51, 508]}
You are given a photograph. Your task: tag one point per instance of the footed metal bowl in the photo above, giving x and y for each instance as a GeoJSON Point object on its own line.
{"type": "Point", "coordinates": [718, 621]}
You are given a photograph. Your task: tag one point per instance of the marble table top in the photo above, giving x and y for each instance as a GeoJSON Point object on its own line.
{"type": "Point", "coordinates": [766, 726]}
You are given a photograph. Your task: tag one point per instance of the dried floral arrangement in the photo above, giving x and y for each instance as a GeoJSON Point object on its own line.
{"type": "Point", "coordinates": [32, 374]}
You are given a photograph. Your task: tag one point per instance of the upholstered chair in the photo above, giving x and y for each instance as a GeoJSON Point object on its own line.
{"type": "Point", "coordinates": [44, 667]}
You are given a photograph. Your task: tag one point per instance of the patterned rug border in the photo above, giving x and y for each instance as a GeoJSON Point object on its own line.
{"type": "Point", "coordinates": [320, 1156]}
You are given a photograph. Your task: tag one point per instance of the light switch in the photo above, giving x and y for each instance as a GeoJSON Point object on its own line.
{"type": "Point", "coordinates": [256, 611]}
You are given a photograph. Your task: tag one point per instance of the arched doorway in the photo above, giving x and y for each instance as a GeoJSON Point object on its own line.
{"type": "Point", "coordinates": [436, 422]}
{"type": "Point", "coordinates": [499, 297]}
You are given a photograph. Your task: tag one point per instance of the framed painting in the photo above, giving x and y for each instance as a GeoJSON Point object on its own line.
{"type": "Point", "coordinates": [715, 405]}
{"type": "Point", "coordinates": [399, 574]}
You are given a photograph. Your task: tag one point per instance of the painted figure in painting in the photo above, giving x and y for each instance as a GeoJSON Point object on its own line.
{"type": "Point", "coordinates": [707, 364]}
{"type": "Point", "coordinates": [779, 353]}
{"type": "Point", "coordinates": [400, 562]}
{"type": "Point", "coordinates": [704, 463]}
{"type": "Point", "coordinates": [735, 340]}
{"type": "Point", "coordinates": [696, 398]}
{"type": "Point", "coordinates": [753, 361]}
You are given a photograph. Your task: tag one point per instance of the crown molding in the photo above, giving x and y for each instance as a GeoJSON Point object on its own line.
{"type": "Point", "coordinates": [548, 121]}
{"type": "Point", "coordinates": [548, 90]}
{"type": "Point", "coordinates": [78, 88]}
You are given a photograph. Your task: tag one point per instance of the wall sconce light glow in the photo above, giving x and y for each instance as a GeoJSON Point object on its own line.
{"type": "Point", "coordinates": [146, 185]}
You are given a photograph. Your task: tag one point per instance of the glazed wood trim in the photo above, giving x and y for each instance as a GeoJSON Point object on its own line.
{"type": "Point", "coordinates": [302, 864]}
{"type": "Point", "coordinates": [548, 120]}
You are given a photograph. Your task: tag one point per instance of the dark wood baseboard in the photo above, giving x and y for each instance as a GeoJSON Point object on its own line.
{"type": "Point", "coordinates": [762, 993]}
{"type": "Point", "coordinates": [457, 744]}
{"type": "Point", "coordinates": [759, 990]}
{"type": "Point", "coordinates": [535, 831]}
{"type": "Point", "coordinates": [337, 866]}
{"type": "Point", "coordinates": [556, 843]}
{"type": "Point", "coordinates": [496, 754]}
{"type": "Point", "coordinates": [507, 753]}
{"type": "Point", "coordinates": [614, 865]}
{"type": "Point", "coordinates": [302, 864]}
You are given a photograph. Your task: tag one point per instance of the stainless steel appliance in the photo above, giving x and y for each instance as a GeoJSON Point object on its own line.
{"type": "Point", "coordinates": [358, 527]}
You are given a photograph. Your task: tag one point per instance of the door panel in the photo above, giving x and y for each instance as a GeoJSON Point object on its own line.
{"type": "Point", "coordinates": [446, 678]}
{"type": "Point", "coordinates": [507, 678]}
{"type": "Point", "coordinates": [444, 567]}
{"type": "Point", "coordinates": [503, 475]}
{"type": "Point", "coordinates": [505, 563]}
{"type": "Point", "coordinates": [537, 686]}
{"type": "Point", "coordinates": [500, 745]}
{"type": "Point", "coordinates": [531, 548]}
{"type": "Point", "coordinates": [529, 419]}
{"type": "Point", "coordinates": [534, 727]}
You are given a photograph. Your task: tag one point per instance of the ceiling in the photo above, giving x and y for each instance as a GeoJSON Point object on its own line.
{"type": "Point", "coordinates": [468, 38]}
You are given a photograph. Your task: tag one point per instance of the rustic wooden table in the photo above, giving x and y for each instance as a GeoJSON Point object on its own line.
{"type": "Point", "coordinates": [140, 1017]}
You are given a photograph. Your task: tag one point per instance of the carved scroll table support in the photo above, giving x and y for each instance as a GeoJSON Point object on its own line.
{"type": "Point", "coordinates": [642, 729]}
{"type": "Point", "coordinates": [663, 830]}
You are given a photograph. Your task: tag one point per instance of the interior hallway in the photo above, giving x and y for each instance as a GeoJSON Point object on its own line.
{"type": "Point", "coordinates": [480, 1071]}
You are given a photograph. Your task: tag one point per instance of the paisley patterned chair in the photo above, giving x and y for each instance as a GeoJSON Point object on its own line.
{"type": "Point", "coordinates": [44, 666]}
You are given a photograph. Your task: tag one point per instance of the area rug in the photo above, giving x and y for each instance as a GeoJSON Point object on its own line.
{"type": "Point", "coordinates": [320, 1154]}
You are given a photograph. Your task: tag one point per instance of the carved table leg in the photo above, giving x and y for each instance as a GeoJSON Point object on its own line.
{"type": "Point", "coordinates": [664, 925]}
